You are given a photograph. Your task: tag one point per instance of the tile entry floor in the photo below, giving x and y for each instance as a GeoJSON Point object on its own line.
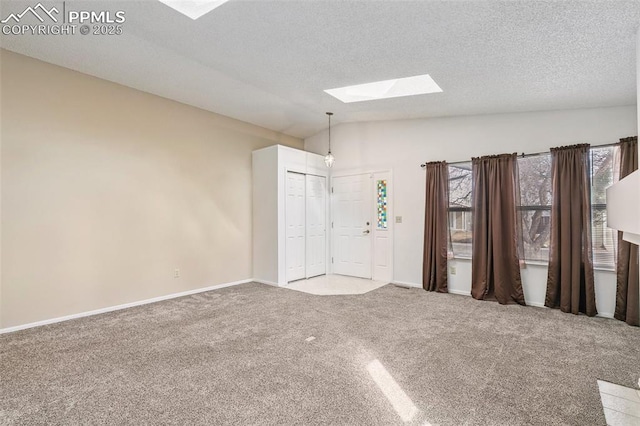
{"type": "Point", "coordinates": [621, 404]}
{"type": "Point", "coordinates": [326, 285]}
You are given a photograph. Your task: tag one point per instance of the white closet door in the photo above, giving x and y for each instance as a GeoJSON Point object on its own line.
{"type": "Point", "coordinates": [316, 225]}
{"type": "Point", "coordinates": [295, 226]}
{"type": "Point", "coordinates": [352, 209]}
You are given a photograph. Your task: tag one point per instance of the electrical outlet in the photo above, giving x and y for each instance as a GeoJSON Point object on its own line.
{"type": "Point", "coordinates": [452, 269]}
{"type": "Point", "coordinates": [398, 219]}
{"type": "Point", "coordinates": [176, 273]}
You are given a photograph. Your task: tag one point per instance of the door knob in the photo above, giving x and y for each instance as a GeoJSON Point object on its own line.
{"type": "Point", "coordinates": [365, 232]}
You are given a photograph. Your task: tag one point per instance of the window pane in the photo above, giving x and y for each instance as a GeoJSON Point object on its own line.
{"type": "Point", "coordinates": [535, 198]}
{"type": "Point", "coordinates": [604, 239]}
{"type": "Point", "coordinates": [535, 234]}
{"type": "Point", "coordinates": [460, 185]}
{"type": "Point", "coordinates": [602, 160]}
{"type": "Point", "coordinates": [460, 201]}
{"type": "Point", "coordinates": [535, 180]}
{"type": "Point", "coordinates": [382, 204]}
{"type": "Point", "coordinates": [460, 232]}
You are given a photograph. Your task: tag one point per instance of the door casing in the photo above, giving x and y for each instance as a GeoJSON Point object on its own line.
{"type": "Point", "coordinates": [381, 241]}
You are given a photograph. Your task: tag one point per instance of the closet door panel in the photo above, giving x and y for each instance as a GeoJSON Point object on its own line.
{"type": "Point", "coordinates": [295, 226]}
{"type": "Point", "coordinates": [316, 226]}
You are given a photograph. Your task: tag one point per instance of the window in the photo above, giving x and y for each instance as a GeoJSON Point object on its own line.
{"type": "Point", "coordinates": [535, 196]}
{"type": "Point", "coordinates": [603, 239]}
{"type": "Point", "coordinates": [460, 209]}
{"type": "Point", "coordinates": [382, 204]}
{"type": "Point", "coordinates": [535, 206]}
{"type": "Point", "coordinates": [460, 221]}
{"type": "Point", "coordinates": [535, 201]}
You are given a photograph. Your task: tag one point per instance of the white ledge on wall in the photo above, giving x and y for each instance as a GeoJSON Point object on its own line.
{"type": "Point", "coordinates": [623, 207]}
{"type": "Point", "coordinates": [631, 237]}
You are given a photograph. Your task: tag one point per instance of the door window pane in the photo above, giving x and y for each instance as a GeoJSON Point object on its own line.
{"type": "Point", "coordinates": [382, 204]}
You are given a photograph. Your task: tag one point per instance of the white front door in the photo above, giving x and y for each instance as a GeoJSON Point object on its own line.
{"type": "Point", "coordinates": [316, 213]}
{"type": "Point", "coordinates": [295, 226]}
{"type": "Point", "coordinates": [352, 211]}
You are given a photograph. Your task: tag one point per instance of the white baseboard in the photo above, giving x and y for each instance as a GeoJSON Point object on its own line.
{"type": "Point", "coordinates": [123, 306]}
{"type": "Point", "coordinates": [466, 293]}
{"type": "Point", "coordinates": [202, 290]}
{"type": "Point", "coordinates": [408, 284]}
{"type": "Point", "coordinates": [541, 305]}
{"type": "Point", "coordinates": [271, 283]}
{"type": "Point", "coordinates": [415, 285]}
{"type": "Point", "coordinates": [460, 292]}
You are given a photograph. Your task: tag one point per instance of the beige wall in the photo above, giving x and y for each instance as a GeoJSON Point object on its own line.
{"type": "Point", "coordinates": [107, 190]}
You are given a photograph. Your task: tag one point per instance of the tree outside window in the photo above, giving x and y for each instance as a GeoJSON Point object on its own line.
{"type": "Point", "coordinates": [460, 209]}
{"type": "Point", "coordinates": [535, 206]}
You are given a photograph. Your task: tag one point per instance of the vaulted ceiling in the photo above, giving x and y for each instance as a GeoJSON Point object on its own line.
{"type": "Point", "coordinates": [268, 62]}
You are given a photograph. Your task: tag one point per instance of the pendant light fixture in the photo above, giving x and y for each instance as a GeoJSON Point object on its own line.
{"type": "Point", "coordinates": [329, 159]}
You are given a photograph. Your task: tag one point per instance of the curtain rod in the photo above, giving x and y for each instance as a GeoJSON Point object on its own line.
{"type": "Point", "coordinates": [533, 154]}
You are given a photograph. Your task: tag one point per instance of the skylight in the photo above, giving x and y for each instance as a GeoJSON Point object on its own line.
{"type": "Point", "coordinates": [408, 86]}
{"type": "Point", "coordinates": [194, 9]}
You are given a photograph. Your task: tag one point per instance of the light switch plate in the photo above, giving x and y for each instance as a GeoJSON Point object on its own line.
{"type": "Point", "coordinates": [398, 219]}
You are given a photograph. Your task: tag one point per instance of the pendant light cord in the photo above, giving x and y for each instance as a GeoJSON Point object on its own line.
{"type": "Point", "coordinates": [329, 114]}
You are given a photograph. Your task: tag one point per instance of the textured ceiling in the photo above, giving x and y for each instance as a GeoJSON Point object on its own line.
{"type": "Point", "coordinates": [268, 62]}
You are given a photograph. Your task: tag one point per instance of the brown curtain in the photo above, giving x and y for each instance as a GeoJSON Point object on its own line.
{"type": "Point", "coordinates": [570, 278]}
{"type": "Point", "coordinates": [495, 262]}
{"type": "Point", "coordinates": [436, 228]}
{"type": "Point", "coordinates": [627, 266]}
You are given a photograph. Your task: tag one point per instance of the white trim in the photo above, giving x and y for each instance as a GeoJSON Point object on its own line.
{"type": "Point", "coordinates": [119, 307]}
{"type": "Point", "coordinates": [360, 171]}
{"type": "Point", "coordinates": [466, 293]}
{"type": "Point", "coordinates": [450, 291]}
{"type": "Point", "coordinates": [545, 264]}
{"type": "Point", "coordinates": [460, 292]}
{"type": "Point", "coordinates": [202, 290]}
{"type": "Point", "coordinates": [537, 263]}
{"type": "Point", "coordinates": [542, 305]}
{"type": "Point", "coordinates": [414, 285]}
{"type": "Point", "coordinates": [271, 283]}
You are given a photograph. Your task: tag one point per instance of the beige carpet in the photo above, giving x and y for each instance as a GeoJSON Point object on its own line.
{"type": "Point", "coordinates": [259, 355]}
